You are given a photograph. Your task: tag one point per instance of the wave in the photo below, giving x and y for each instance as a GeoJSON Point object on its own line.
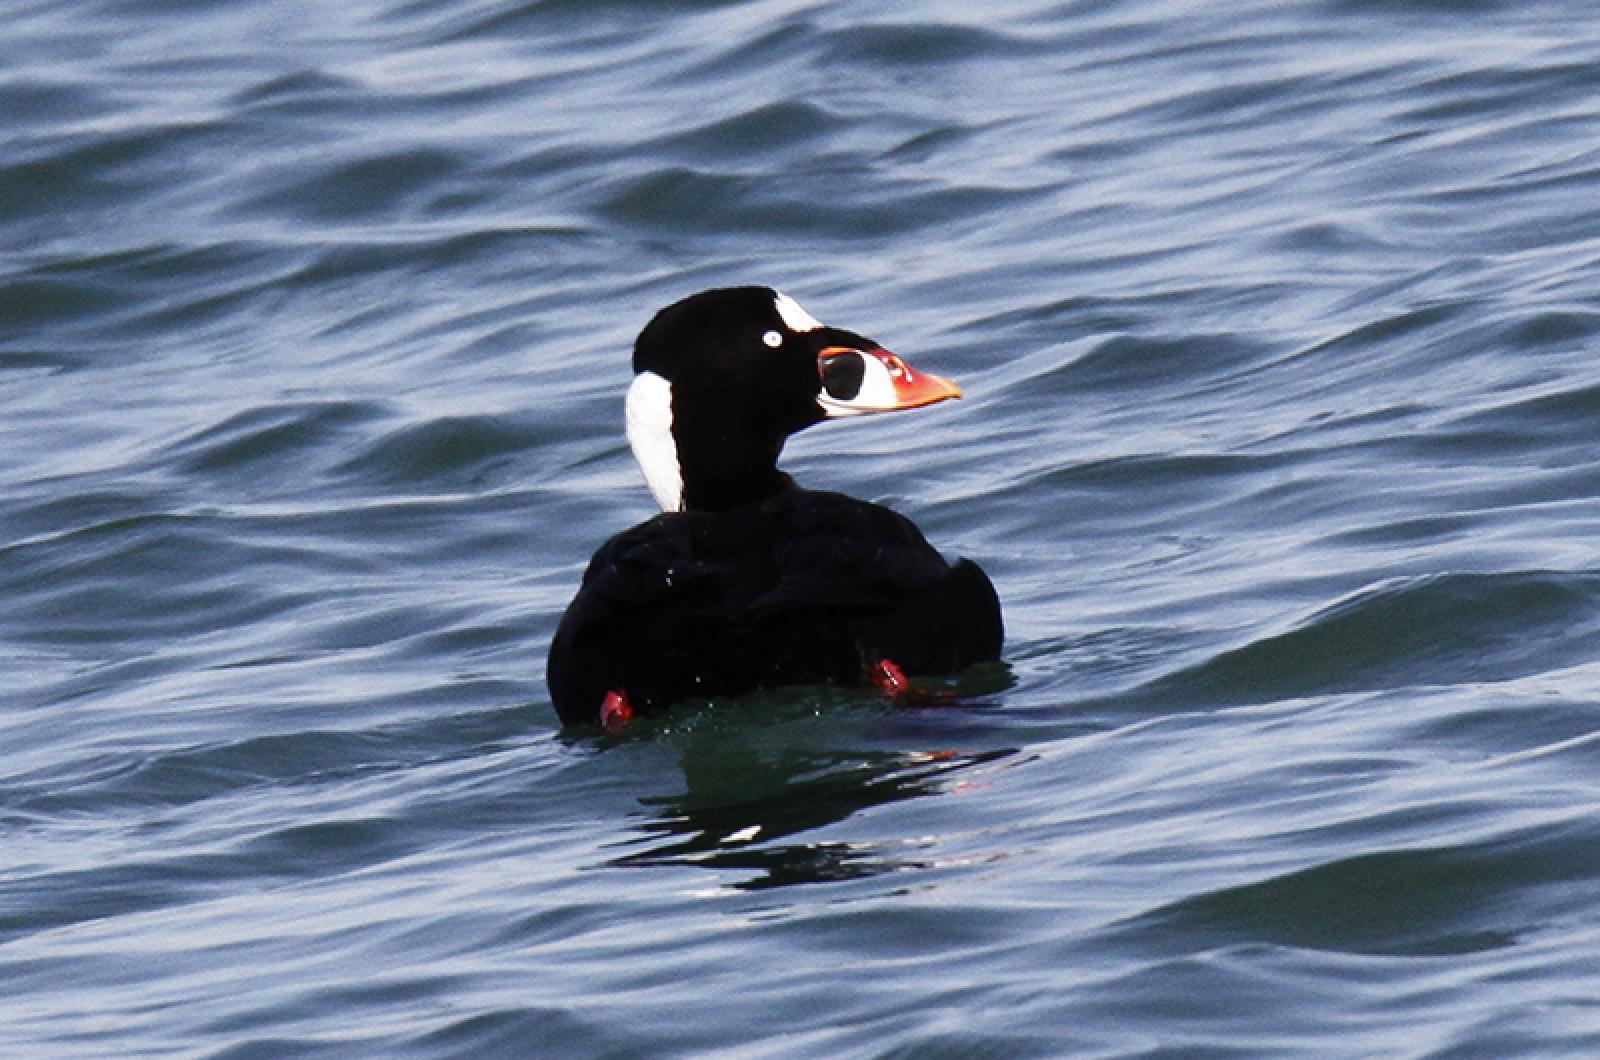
{"type": "Point", "coordinates": [1423, 901]}
{"type": "Point", "coordinates": [1441, 629]}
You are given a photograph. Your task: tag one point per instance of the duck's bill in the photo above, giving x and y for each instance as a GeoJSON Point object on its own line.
{"type": "Point", "coordinates": [855, 382]}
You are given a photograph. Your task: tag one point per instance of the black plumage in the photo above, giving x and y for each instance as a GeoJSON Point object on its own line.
{"type": "Point", "coordinates": [762, 584]}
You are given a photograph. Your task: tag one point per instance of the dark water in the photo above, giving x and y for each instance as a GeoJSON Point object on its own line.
{"type": "Point", "coordinates": [1279, 328]}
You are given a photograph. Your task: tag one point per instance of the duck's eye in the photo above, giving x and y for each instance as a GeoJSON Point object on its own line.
{"type": "Point", "coordinates": [773, 339]}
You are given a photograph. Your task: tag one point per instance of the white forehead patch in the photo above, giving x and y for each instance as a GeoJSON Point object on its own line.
{"type": "Point", "coordinates": [795, 318]}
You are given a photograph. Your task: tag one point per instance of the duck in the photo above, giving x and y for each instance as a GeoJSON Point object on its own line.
{"type": "Point", "coordinates": [746, 581]}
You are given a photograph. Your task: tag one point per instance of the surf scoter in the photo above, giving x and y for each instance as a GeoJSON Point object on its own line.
{"type": "Point", "coordinates": [746, 581]}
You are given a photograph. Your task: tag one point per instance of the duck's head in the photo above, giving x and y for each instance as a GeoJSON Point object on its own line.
{"type": "Point", "coordinates": [725, 376]}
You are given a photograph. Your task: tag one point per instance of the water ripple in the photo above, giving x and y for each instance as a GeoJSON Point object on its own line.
{"type": "Point", "coordinates": [1433, 902]}
{"type": "Point", "coordinates": [1275, 325]}
{"type": "Point", "coordinates": [1438, 629]}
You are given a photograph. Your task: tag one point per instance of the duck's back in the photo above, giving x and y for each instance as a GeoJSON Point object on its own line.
{"type": "Point", "coordinates": [802, 588]}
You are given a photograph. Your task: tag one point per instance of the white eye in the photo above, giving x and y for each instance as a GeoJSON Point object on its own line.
{"type": "Point", "coordinates": [773, 339]}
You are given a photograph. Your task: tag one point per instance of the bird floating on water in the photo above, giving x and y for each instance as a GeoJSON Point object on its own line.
{"type": "Point", "coordinates": [747, 581]}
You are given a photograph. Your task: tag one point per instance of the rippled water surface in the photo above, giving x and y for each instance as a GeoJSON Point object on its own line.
{"type": "Point", "coordinates": [1278, 324]}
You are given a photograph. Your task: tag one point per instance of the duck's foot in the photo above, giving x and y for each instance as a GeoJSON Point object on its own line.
{"type": "Point", "coordinates": [615, 710]}
{"type": "Point", "coordinates": [887, 676]}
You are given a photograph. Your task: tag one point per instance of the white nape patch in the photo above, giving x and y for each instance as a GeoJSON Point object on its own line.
{"type": "Point", "coordinates": [650, 436]}
{"type": "Point", "coordinates": [795, 318]}
{"type": "Point", "coordinates": [876, 393]}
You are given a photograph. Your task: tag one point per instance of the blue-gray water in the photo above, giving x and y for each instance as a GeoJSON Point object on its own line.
{"type": "Point", "coordinates": [1280, 330]}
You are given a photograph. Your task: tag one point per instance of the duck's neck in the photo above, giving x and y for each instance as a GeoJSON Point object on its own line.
{"type": "Point", "coordinates": [724, 462]}
{"type": "Point", "coordinates": [720, 487]}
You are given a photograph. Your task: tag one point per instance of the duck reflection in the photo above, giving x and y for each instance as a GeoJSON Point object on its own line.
{"type": "Point", "coordinates": [749, 793]}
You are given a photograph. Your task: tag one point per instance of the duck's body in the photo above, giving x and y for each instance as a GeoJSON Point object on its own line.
{"type": "Point", "coordinates": [801, 588]}
{"type": "Point", "coordinates": [747, 581]}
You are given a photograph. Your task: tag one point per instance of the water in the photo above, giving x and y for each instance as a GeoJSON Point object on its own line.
{"type": "Point", "coordinates": [1277, 324]}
